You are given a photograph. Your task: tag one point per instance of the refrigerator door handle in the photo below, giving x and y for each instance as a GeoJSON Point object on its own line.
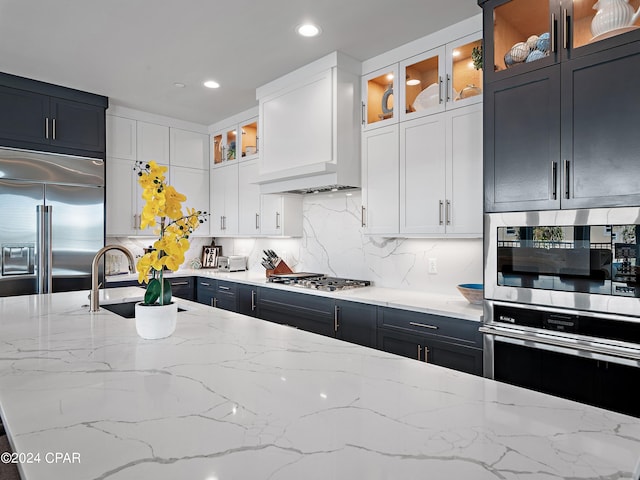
{"type": "Point", "coordinates": [44, 248]}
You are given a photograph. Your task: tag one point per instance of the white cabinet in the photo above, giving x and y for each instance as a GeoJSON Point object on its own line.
{"type": "Point", "coordinates": [224, 200]}
{"type": "Point", "coordinates": [281, 215]}
{"type": "Point", "coordinates": [189, 149]}
{"type": "Point", "coordinates": [379, 90]}
{"type": "Point", "coordinates": [120, 197]}
{"type": "Point", "coordinates": [224, 143]}
{"type": "Point", "coordinates": [121, 137]}
{"type": "Point", "coordinates": [441, 173]}
{"type": "Point", "coordinates": [309, 127]}
{"type": "Point", "coordinates": [249, 199]}
{"type": "Point", "coordinates": [152, 143]}
{"type": "Point", "coordinates": [380, 180]}
{"type": "Point", "coordinates": [194, 184]}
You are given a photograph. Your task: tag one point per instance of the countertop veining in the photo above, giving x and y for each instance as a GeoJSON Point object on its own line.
{"type": "Point", "coordinates": [232, 397]}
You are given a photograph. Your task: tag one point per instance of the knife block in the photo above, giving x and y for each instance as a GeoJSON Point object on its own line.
{"type": "Point", "coordinates": [281, 267]}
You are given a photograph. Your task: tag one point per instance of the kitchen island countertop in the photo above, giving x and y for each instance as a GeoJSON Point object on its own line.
{"type": "Point", "coordinates": [453, 305]}
{"type": "Point", "coordinates": [233, 397]}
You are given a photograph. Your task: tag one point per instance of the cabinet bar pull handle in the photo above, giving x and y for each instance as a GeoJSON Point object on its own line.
{"type": "Point", "coordinates": [222, 287]}
{"type": "Point", "coordinates": [440, 90]}
{"type": "Point", "coordinates": [553, 32]}
{"type": "Point", "coordinates": [362, 222]}
{"type": "Point", "coordinates": [447, 87]}
{"type": "Point", "coordinates": [214, 302]}
{"type": "Point", "coordinates": [440, 205]}
{"type": "Point", "coordinates": [416, 324]}
{"type": "Point", "coordinates": [419, 351]}
{"type": "Point", "coordinates": [277, 219]}
{"type": "Point", "coordinates": [173, 284]}
{"type": "Point", "coordinates": [567, 182]}
{"type": "Point", "coordinates": [363, 114]}
{"type": "Point", "coordinates": [46, 128]}
{"type": "Point", "coordinates": [447, 213]}
{"type": "Point", "coordinates": [336, 312]}
{"type": "Point", "coordinates": [554, 179]}
{"type": "Point", "coordinates": [565, 31]}
{"type": "Point", "coordinates": [426, 355]}
{"type": "Point", "coordinates": [257, 221]}
{"type": "Point", "coordinates": [205, 284]}
{"type": "Point", "coordinates": [253, 300]}
{"type": "Point", "coordinates": [54, 128]}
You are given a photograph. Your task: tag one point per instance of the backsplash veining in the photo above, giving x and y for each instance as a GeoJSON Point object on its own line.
{"type": "Point", "coordinates": [333, 243]}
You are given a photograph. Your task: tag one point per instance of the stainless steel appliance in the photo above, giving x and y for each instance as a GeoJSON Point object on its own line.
{"type": "Point", "coordinates": [52, 221]}
{"type": "Point", "coordinates": [318, 281]}
{"type": "Point", "coordinates": [562, 303]}
{"type": "Point", "coordinates": [233, 263]}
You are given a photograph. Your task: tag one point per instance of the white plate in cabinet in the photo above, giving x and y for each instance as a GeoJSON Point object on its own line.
{"type": "Point", "coordinates": [380, 181]}
{"type": "Point", "coordinates": [441, 174]}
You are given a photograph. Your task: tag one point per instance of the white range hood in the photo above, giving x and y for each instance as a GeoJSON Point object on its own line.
{"type": "Point", "coordinates": [310, 128]}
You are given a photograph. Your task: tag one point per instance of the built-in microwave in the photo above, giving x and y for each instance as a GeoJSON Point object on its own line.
{"type": "Point", "coordinates": [580, 259]}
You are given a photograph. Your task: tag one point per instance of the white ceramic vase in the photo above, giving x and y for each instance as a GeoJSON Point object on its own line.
{"type": "Point", "coordinates": [611, 15]}
{"type": "Point", "coordinates": [156, 321]}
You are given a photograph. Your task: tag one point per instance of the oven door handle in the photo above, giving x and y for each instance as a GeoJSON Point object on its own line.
{"type": "Point", "coordinates": [613, 354]}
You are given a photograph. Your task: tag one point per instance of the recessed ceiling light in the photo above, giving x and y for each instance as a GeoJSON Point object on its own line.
{"type": "Point", "coordinates": [179, 85]}
{"type": "Point", "coordinates": [308, 30]}
{"type": "Point", "coordinates": [211, 84]}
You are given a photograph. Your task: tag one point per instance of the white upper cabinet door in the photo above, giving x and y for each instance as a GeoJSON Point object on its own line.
{"type": "Point", "coordinates": [380, 181]}
{"type": "Point", "coordinates": [423, 199]}
{"type": "Point", "coordinates": [248, 198]}
{"type": "Point", "coordinates": [121, 215]}
{"type": "Point", "coordinates": [224, 200]}
{"type": "Point", "coordinates": [297, 125]}
{"type": "Point", "coordinates": [424, 89]}
{"type": "Point", "coordinates": [464, 80]}
{"type": "Point", "coordinates": [464, 171]}
{"type": "Point", "coordinates": [153, 143]}
{"type": "Point", "coordinates": [281, 215]}
{"type": "Point", "coordinates": [379, 95]}
{"type": "Point", "coordinates": [121, 137]}
{"type": "Point", "coordinates": [194, 184]}
{"type": "Point", "coordinates": [189, 149]}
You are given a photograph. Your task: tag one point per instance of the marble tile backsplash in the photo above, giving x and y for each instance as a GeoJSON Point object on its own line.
{"type": "Point", "coordinates": [333, 243]}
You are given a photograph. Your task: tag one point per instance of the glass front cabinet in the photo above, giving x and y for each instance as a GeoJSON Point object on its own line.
{"type": "Point", "coordinates": [440, 79]}
{"type": "Point", "coordinates": [523, 35]}
{"type": "Point", "coordinates": [378, 98]}
{"type": "Point", "coordinates": [224, 145]}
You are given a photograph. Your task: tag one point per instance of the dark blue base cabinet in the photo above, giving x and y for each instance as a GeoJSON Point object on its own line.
{"type": "Point", "coordinates": [448, 342]}
{"type": "Point", "coordinates": [349, 321]}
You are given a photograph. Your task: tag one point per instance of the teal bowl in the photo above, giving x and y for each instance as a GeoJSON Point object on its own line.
{"type": "Point", "coordinates": [473, 292]}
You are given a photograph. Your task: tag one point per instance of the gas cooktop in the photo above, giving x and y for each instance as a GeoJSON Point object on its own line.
{"type": "Point", "coordinates": [318, 281]}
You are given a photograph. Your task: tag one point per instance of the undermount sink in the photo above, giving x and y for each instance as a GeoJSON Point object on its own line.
{"type": "Point", "coordinates": [126, 309]}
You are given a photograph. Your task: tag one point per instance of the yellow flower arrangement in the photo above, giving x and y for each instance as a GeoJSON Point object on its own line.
{"type": "Point", "coordinates": [163, 210]}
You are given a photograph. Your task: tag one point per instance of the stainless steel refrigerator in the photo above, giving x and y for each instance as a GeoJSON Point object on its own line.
{"type": "Point", "coordinates": [51, 221]}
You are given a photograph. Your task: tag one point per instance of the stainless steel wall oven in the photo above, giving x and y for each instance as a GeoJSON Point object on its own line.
{"type": "Point", "coordinates": [562, 303]}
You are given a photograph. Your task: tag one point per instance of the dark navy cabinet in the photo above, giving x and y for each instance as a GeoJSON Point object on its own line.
{"type": "Point", "coordinates": [40, 116]}
{"type": "Point", "coordinates": [445, 341]}
{"type": "Point", "coordinates": [248, 299]}
{"type": "Point", "coordinates": [300, 310]}
{"type": "Point", "coordinates": [205, 290]}
{"type": "Point", "coordinates": [182, 287]}
{"type": "Point", "coordinates": [559, 132]}
{"type": "Point", "coordinates": [226, 296]}
{"type": "Point", "coordinates": [356, 322]}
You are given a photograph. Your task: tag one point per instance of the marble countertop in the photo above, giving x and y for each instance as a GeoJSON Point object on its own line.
{"type": "Point", "coordinates": [438, 304]}
{"type": "Point", "coordinates": [232, 397]}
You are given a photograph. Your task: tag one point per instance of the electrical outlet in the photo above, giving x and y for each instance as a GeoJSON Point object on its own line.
{"type": "Point", "coordinates": [433, 265]}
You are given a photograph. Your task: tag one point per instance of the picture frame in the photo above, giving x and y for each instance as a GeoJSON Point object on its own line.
{"type": "Point", "coordinates": [210, 254]}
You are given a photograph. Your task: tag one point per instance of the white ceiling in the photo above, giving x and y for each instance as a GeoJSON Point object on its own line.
{"type": "Point", "coordinates": [133, 51]}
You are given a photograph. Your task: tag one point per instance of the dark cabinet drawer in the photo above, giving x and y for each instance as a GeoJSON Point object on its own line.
{"type": "Point", "coordinates": [205, 291]}
{"type": "Point", "coordinates": [182, 287]}
{"type": "Point", "coordinates": [305, 311]}
{"type": "Point", "coordinates": [226, 296]}
{"type": "Point", "coordinates": [445, 328]}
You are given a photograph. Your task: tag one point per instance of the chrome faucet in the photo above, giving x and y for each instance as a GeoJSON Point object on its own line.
{"type": "Point", "coordinates": [95, 296]}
